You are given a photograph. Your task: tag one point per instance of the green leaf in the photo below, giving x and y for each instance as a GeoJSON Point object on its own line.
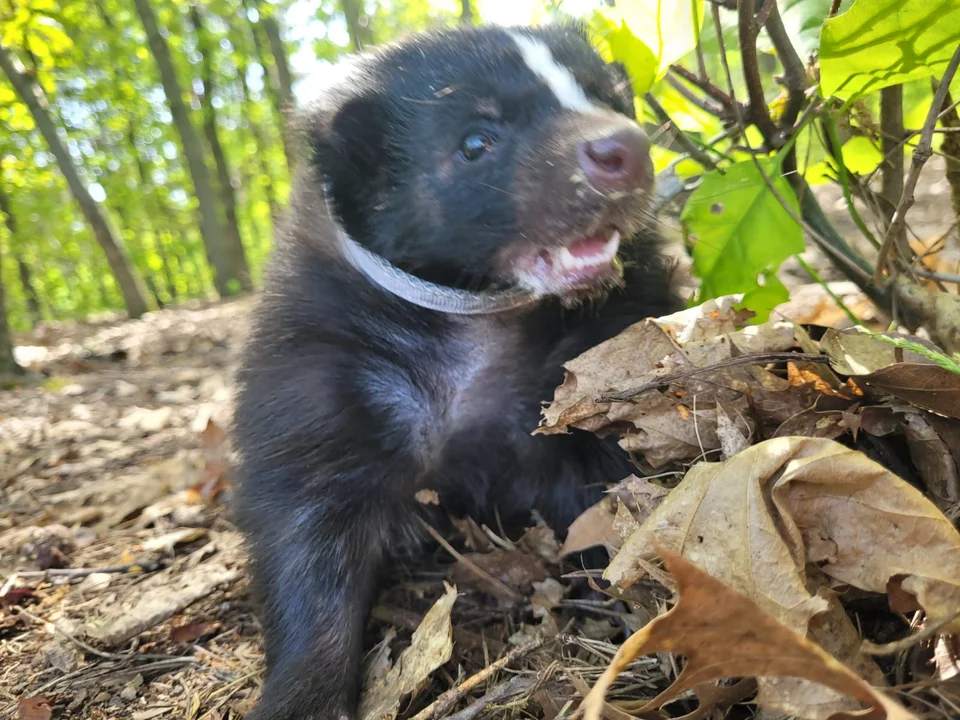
{"type": "Point", "coordinates": [743, 232]}
{"type": "Point", "coordinates": [803, 20]}
{"type": "Point", "coordinates": [635, 56]}
{"type": "Point", "coordinates": [878, 43]}
{"type": "Point", "coordinates": [764, 298]}
{"type": "Point", "coordinates": [669, 28]}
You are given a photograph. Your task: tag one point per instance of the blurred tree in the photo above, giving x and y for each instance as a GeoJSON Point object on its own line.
{"type": "Point", "coordinates": [358, 24]}
{"type": "Point", "coordinates": [224, 180]}
{"type": "Point", "coordinates": [227, 277]}
{"type": "Point", "coordinates": [32, 95]}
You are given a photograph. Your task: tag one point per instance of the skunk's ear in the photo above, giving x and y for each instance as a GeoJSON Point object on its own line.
{"type": "Point", "coordinates": [348, 146]}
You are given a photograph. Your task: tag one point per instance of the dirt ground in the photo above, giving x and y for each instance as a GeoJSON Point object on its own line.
{"type": "Point", "coordinates": [121, 577]}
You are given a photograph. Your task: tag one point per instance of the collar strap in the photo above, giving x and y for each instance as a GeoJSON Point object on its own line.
{"type": "Point", "coordinates": [426, 294]}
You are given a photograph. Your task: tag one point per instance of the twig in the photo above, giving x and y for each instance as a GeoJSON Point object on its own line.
{"type": "Point", "coordinates": [703, 84]}
{"type": "Point", "coordinates": [794, 74]}
{"type": "Point", "coordinates": [833, 145]}
{"type": "Point", "coordinates": [834, 8]}
{"type": "Point", "coordinates": [72, 572]}
{"type": "Point", "coordinates": [507, 593]}
{"type": "Point", "coordinates": [759, 113]}
{"type": "Point", "coordinates": [448, 699]}
{"type": "Point", "coordinates": [689, 147]}
{"type": "Point", "coordinates": [891, 142]}
{"type": "Point", "coordinates": [929, 630]}
{"type": "Point", "coordinates": [667, 380]}
{"type": "Point", "coordinates": [826, 287]}
{"type": "Point", "coordinates": [811, 217]}
{"type": "Point", "coordinates": [921, 154]}
{"type": "Point", "coordinates": [79, 643]}
{"type": "Point", "coordinates": [945, 277]}
{"type": "Point", "coordinates": [692, 97]}
{"type": "Point", "coordinates": [514, 686]}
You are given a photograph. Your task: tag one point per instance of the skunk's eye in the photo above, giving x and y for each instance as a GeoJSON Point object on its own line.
{"type": "Point", "coordinates": [475, 145]}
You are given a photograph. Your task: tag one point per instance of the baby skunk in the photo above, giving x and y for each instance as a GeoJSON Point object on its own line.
{"type": "Point", "coordinates": [503, 177]}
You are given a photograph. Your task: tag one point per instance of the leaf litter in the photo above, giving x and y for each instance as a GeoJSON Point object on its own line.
{"type": "Point", "coordinates": [791, 520]}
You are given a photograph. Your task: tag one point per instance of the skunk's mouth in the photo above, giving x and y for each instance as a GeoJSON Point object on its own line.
{"type": "Point", "coordinates": [584, 263]}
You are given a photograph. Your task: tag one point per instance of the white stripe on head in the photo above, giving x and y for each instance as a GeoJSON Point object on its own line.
{"type": "Point", "coordinates": [558, 78]}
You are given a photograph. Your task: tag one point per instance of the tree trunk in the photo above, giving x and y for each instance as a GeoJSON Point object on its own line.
{"type": "Point", "coordinates": [226, 277]}
{"type": "Point", "coordinates": [8, 366]}
{"type": "Point", "coordinates": [32, 96]}
{"type": "Point", "coordinates": [466, 12]}
{"type": "Point", "coordinates": [272, 84]}
{"type": "Point", "coordinates": [258, 141]}
{"type": "Point", "coordinates": [29, 290]}
{"type": "Point", "coordinates": [26, 279]}
{"type": "Point", "coordinates": [227, 195]}
{"type": "Point", "coordinates": [357, 25]}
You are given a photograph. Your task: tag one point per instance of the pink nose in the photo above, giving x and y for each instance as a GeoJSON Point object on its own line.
{"type": "Point", "coordinates": [618, 161]}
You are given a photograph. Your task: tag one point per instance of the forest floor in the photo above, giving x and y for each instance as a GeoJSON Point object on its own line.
{"type": "Point", "coordinates": [122, 592]}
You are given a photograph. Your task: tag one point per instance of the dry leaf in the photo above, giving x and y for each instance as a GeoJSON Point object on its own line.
{"type": "Point", "coordinates": [430, 647]}
{"type": "Point", "coordinates": [34, 708]}
{"type": "Point", "coordinates": [678, 422]}
{"type": "Point", "coordinates": [189, 632]}
{"type": "Point", "coordinates": [516, 569]}
{"type": "Point", "coordinates": [755, 520]}
{"type": "Point", "coordinates": [904, 374]}
{"type": "Point", "coordinates": [932, 457]}
{"type": "Point", "coordinates": [723, 634]}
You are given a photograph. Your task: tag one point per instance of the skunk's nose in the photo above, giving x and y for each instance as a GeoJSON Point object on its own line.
{"type": "Point", "coordinates": [618, 161]}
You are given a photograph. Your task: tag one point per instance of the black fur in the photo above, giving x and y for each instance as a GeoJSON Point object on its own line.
{"type": "Point", "coordinates": [352, 400]}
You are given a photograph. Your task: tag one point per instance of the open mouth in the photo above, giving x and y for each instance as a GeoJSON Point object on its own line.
{"type": "Point", "coordinates": [583, 263]}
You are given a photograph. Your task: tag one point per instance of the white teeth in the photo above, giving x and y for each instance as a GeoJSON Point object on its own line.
{"type": "Point", "coordinates": [568, 261]}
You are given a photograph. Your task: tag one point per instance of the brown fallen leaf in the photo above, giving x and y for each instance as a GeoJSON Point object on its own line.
{"type": "Point", "coordinates": [516, 569]}
{"type": "Point", "coordinates": [189, 632]}
{"type": "Point", "coordinates": [615, 517]}
{"type": "Point", "coordinates": [723, 634]}
{"type": "Point", "coordinates": [430, 647]}
{"type": "Point", "coordinates": [679, 362]}
{"type": "Point", "coordinates": [902, 373]}
{"type": "Point", "coordinates": [34, 708]}
{"type": "Point", "coordinates": [932, 456]}
{"type": "Point", "coordinates": [757, 519]}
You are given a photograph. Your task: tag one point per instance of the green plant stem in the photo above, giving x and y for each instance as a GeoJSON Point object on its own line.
{"type": "Point", "coordinates": [837, 151]}
{"type": "Point", "coordinates": [822, 283]}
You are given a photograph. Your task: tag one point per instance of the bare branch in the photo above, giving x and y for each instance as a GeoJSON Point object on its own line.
{"type": "Point", "coordinates": [686, 143]}
{"type": "Point", "coordinates": [811, 217]}
{"type": "Point", "coordinates": [691, 97]}
{"type": "Point", "coordinates": [834, 8]}
{"type": "Point", "coordinates": [705, 85]}
{"type": "Point", "coordinates": [921, 154]}
{"type": "Point", "coordinates": [759, 114]}
{"type": "Point", "coordinates": [794, 72]}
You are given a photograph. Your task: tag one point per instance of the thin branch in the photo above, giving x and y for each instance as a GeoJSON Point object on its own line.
{"type": "Point", "coordinates": [891, 137]}
{"type": "Point", "coordinates": [705, 85]}
{"type": "Point", "coordinates": [447, 700]}
{"type": "Point", "coordinates": [812, 218]}
{"type": "Point", "coordinates": [794, 72]}
{"type": "Point", "coordinates": [689, 147]}
{"type": "Point", "coordinates": [759, 113]}
{"type": "Point", "coordinates": [921, 154]}
{"type": "Point", "coordinates": [834, 8]}
{"type": "Point", "coordinates": [667, 380]}
{"type": "Point", "coordinates": [691, 97]}
{"type": "Point", "coordinates": [498, 586]}
{"type": "Point", "coordinates": [945, 277]}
